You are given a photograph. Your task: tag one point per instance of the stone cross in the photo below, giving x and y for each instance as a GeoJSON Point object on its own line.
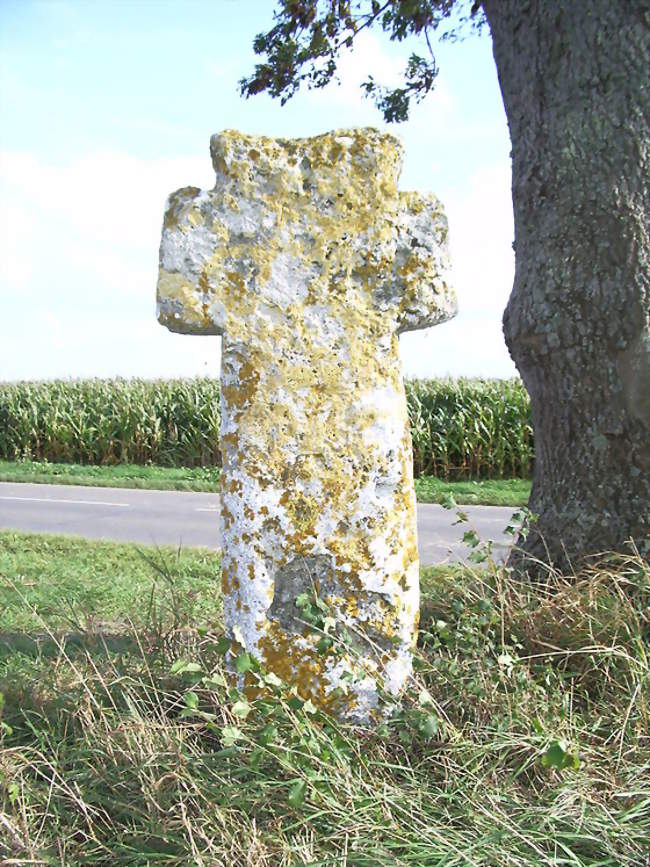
{"type": "Point", "coordinates": [309, 263]}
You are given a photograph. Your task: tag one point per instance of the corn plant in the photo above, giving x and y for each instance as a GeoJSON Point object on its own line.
{"type": "Point", "coordinates": [461, 429]}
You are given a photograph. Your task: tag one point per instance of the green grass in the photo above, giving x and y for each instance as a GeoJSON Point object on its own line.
{"type": "Point", "coordinates": [523, 738]}
{"type": "Point", "coordinates": [63, 582]}
{"type": "Point", "coordinates": [115, 476]}
{"type": "Point", "coordinates": [490, 492]}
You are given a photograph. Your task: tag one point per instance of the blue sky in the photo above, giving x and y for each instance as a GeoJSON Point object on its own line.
{"type": "Point", "coordinates": [107, 107]}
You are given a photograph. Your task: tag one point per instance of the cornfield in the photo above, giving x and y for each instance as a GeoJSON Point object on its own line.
{"type": "Point", "coordinates": [461, 429]}
{"type": "Point", "coordinates": [470, 428]}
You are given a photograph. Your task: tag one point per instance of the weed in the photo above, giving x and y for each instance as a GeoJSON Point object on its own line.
{"type": "Point", "coordinates": [522, 737]}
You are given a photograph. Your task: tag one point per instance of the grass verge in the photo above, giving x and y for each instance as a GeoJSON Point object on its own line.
{"type": "Point", "coordinates": [115, 476]}
{"type": "Point", "coordinates": [523, 738]}
{"type": "Point", "coordinates": [490, 492]}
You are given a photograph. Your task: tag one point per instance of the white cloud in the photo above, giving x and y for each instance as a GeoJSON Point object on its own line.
{"type": "Point", "coordinates": [79, 269]}
{"type": "Point", "coordinates": [481, 234]}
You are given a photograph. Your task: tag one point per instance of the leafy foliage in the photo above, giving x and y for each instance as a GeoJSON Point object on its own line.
{"type": "Point", "coordinates": [304, 45]}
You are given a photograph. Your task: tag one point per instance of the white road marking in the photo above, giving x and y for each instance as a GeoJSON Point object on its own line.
{"type": "Point", "coordinates": [75, 502]}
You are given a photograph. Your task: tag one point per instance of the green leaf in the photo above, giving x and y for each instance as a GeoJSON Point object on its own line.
{"type": "Point", "coordinates": [181, 666]}
{"type": "Point", "coordinates": [471, 538]}
{"type": "Point", "coordinates": [478, 557]}
{"type": "Point", "coordinates": [216, 679]}
{"type": "Point", "coordinates": [309, 707]}
{"type": "Point", "coordinates": [558, 756]}
{"type": "Point", "coordinates": [222, 645]}
{"type": "Point", "coordinates": [272, 679]}
{"type": "Point", "coordinates": [241, 709]}
{"type": "Point", "coordinates": [303, 600]}
{"type": "Point", "coordinates": [324, 644]}
{"type": "Point", "coordinates": [448, 502]}
{"type": "Point", "coordinates": [13, 790]}
{"type": "Point", "coordinates": [191, 700]}
{"type": "Point", "coordinates": [230, 734]}
{"type": "Point", "coordinates": [268, 734]}
{"type": "Point", "coordinates": [295, 703]}
{"type": "Point", "coordinates": [430, 726]}
{"type": "Point", "coordinates": [244, 663]}
{"type": "Point", "coordinates": [297, 792]}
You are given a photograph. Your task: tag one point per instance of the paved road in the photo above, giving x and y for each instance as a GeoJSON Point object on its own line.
{"type": "Point", "coordinates": [191, 519]}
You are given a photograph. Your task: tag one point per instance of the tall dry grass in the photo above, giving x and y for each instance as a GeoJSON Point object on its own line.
{"type": "Point", "coordinates": [521, 740]}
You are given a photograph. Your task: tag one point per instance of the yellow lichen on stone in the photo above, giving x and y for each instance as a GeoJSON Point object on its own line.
{"type": "Point", "coordinates": [309, 262]}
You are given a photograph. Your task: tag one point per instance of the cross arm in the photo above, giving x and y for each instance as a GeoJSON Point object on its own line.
{"type": "Point", "coordinates": [421, 268]}
{"type": "Point", "coordinates": [189, 252]}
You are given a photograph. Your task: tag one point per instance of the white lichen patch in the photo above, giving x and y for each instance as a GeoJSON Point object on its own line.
{"type": "Point", "coordinates": [309, 262]}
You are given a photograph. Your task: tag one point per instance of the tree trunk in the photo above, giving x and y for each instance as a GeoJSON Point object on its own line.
{"type": "Point", "coordinates": [575, 85]}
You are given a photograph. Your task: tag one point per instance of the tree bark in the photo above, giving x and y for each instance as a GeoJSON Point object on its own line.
{"type": "Point", "coordinates": [576, 90]}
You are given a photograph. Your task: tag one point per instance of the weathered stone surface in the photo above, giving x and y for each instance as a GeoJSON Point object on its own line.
{"type": "Point", "coordinates": [309, 262]}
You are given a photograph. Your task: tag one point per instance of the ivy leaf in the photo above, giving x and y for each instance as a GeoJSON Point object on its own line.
{"type": "Point", "coordinates": [324, 644]}
{"type": "Point", "coordinates": [181, 666]}
{"type": "Point", "coordinates": [222, 645]}
{"type": "Point", "coordinates": [471, 538]}
{"type": "Point", "coordinates": [558, 756]}
{"type": "Point", "coordinates": [230, 734]}
{"type": "Point", "coordinates": [297, 793]}
{"type": "Point", "coordinates": [191, 700]}
{"type": "Point", "coordinates": [478, 557]}
{"type": "Point", "coordinates": [241, 709]}
{"type": "Point", "coordinates": [216, 679]}
{"type": "Point", "coordinates": [244, 663]}
{"type": "Point", "coordinates": [430, 726]}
